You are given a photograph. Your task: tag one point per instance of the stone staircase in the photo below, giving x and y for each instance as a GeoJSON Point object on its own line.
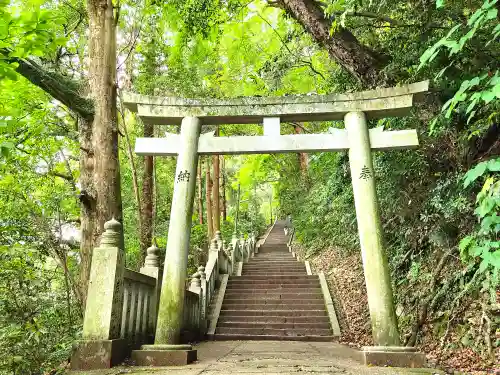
{"type": "Point", "coordinates": [274, 299]}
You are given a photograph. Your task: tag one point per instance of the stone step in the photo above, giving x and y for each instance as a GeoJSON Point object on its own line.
{"type": "Point", "coordinates": [228, 337]}
{"type": "Point", "coordinates": [275, 283]}
{"type": "Point", "coordinates": [274, 331]}
{"type": "Point", "coordinates": [270, 262]}
{"type": "Point", "coordinates": [273, 299]}
{"type": "Point", "coordinates": [276, 302]}
{"type": "Point", "coordinates": [272, 279]}
{"type": "Point", "coordinates": [275, 325]}
{"type": "Point", "coordinates": [277, 251]}
{"type": "Point", "coordinates": [268, 306]}
{"type": "Point", "coordinates": [275, 287]}
{"type": "Point", "coordinates": [286, 313]}
{"type": "Point", "coordinates": [280, 274]}
{"type": "Point", "coordinates": [274, 319]}
{"type": "Point", "coordinates": [283, 294]}
{"type": "Point", "coordinates": [266, 266]}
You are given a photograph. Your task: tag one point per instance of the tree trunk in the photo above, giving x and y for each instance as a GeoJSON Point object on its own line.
{"type": "Point", "coordinates": [146, 229]}
{"type": "Point", "coordinates": [342, 45]}
{"type": "Point", "coordinates": [215, 194]}
{"type": "Point", "coordinates": [133, 169]}
{"type": "Point", "coordinates": [97, 126]}
{"type": "Point", "coordinates": [99, 165]}
{"type": "Point", "coordinates": [208, 188]}
{"type": "Point", "coordinates": [303, 157]}
{"type": "Point", "coordinates": [223, 190]}
{"type": "Point", "coordinates": [200, 193]}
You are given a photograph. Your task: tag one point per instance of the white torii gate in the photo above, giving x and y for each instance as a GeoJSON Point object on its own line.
{"type": "Point", "coordinates": [354, 108]}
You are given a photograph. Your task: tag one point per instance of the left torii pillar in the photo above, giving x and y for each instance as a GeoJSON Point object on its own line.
{"type": "Point", "coordinates": [167, 349]}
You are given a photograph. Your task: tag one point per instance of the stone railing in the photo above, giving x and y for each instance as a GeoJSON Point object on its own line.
{"type": "Point", "coordinates": [121, 307]}
{"type": "Point", "coordinates": [139, 308]}
{"type": "Point", "coordinates": [222, 260]}
{"type": "Point", "coordinates": [122, 304]}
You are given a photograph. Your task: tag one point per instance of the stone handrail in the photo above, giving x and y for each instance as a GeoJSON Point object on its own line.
{"type": "Point", "coordinates": [139, 300]}
{"type": "Point", "coordinates": [121, 308]}
{"type": "Point", "coordinates": [122, 305]}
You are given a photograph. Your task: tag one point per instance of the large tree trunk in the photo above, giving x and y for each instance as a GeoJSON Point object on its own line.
{"type": "Point", "coordinates": [215, 189]}
{"type": "Point", "coordinates": [223, 190]}
{"type": "Point", "coordinates": [102, 184]}
{"type": "Point", "coordinates": [342, 45]}
{"type": "Point", "coordinates": [215, 194]}
{"type": "Point", "coordinates": [208, 192]}
{"type": "Point", "coordinates": [303, 157]}
{"type": "Point", "coordinates": [200, 193]}
{"type": "Point", "coordinates": [146, 235]}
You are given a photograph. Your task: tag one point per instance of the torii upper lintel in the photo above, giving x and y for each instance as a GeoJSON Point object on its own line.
{"type": "Point", "coordinates": [379, 103]}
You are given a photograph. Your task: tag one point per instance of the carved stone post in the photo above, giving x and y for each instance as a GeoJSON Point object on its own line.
{"type": "Point", "coordinates": [232, 260]}
{"type": "Point", "coordinates": [101, 346]}
{"type": "Point", "coordinates": [376, 270]}
{"type": "Point", "coordinates": [203, 302]}
{"type": "Point", "coordinates": [218, 237]}
{"type": "Point", "coordinates": [152, 268]}
{"type": "Point", "coordinates": [242, 248]}
{"type": "Point", "coordinates": [236, 250]}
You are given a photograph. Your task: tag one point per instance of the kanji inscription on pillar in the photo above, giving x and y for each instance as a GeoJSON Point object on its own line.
{"type": "Point", "coordinates": [365, 173]}
{"type": "Point", "coordinates": [183, 176]}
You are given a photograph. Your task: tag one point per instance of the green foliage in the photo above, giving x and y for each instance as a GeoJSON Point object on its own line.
{"type": "Point", "coordinates": [37, 321]}
{"type": "Point", "coordinates": [26, 30]}
{"type": "Point", "coordinates": [481, 92]}
{"type": "Point", "coordinates": [483, 245]}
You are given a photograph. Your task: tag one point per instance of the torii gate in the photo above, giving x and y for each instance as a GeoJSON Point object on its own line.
{"type": "Point", "coordinates": [354, 108]}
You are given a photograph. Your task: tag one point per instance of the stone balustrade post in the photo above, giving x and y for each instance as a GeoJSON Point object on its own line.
{"type": "Point", "coordinates": [242, 247]}
{"type": "Point", "coordinates": [254, 242]}
{"type": "Point", "coordinates": [102, 346]}
{"type": "Point", "coordinates": [229, 251]}
{"type": "Point", "coordinates": [234, 243]}
{"type": "Point", "coordinates": [218, 238]}
{"type": "Point", "coordinates": [152, 268]}
{"type": "Point", "coordinates": [247, 249]}
{"type": "Point", "coordinates": [195, 282]}
{"type": "Point", "coordinates": [203, 301]}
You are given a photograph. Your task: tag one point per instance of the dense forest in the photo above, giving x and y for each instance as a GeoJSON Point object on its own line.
{"type": "Point", "coordinates": [67, 163]}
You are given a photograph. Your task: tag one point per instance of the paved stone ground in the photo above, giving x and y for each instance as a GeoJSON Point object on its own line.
{"type": "Point", "coordinates": [269, 357]}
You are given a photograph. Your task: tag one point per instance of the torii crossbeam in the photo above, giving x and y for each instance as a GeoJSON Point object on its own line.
{"type": "Point", "coordinates": [354, 108]}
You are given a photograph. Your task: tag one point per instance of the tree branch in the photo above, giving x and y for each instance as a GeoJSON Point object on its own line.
{"type": "Point", "coordinates": [305, 62]}
{"type": "Point", "coordinates": [58, 86]}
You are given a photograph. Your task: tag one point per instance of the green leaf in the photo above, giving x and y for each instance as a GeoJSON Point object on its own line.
{"type": "Point", "coordinates": [492, 14]}
{"type": "Point", "coordinates": [465, 242]}
{"type": "Point", "coordinates": [488, 96]}
{"type": "Point", "coordinates": [473, 174]}
{"type": "Point", "coordinates": [495, 259]}
{"type": "Point", "coordinates": [484, 265]}
{"type": "Point", "coordinates": [439, 4]}
{"type": "Point", "coordinates": [485, 207]}
{"type": "Point", "coordinates": [493, 165]}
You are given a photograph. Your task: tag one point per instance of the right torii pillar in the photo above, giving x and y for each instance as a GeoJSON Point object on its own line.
{"type": "Point", "coordinates": [388, 350]}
